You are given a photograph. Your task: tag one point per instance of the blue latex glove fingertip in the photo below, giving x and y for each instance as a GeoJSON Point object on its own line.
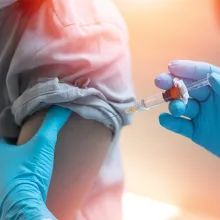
{"type": "Point", "coordinates": [164, 120]}
{"type": "Point", "coordinates": [61, 111]}
{"type": "Point", "coordinates": [55, 118]}
{"type": "Point", "coordinates": [177, 108]}
{"type": "Point", "coordinates": [164, 81]}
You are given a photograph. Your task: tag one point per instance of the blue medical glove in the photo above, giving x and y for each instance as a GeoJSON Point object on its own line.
{"type": "Point", "coordinates": [25, 171]}
{"type": "Point", "coordinates": [202, 113]}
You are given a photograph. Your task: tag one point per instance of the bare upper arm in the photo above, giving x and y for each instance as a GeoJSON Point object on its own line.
{"type": "Point", "coordinates": [80, 151]}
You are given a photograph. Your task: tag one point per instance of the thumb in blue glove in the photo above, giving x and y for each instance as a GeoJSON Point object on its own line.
{"type": "Point", "coordinates": [26, 170]}
{"type": "Point", "coordinates": [201, 121]}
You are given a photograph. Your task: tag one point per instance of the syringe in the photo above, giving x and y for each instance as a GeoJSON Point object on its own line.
{"type": "Point", "coordinates": [178, 91]}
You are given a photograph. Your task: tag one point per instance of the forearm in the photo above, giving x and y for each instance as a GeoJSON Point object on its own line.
{"type": "Point", "coordinates": [80, 151]}
{"type": "Point", "coordinates": [21, 203]}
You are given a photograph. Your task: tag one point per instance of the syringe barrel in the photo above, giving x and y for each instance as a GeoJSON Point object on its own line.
{"type": "Point", "coordinates": [178, 91]}
{"type": "Point", "coordinates": [153, 101]}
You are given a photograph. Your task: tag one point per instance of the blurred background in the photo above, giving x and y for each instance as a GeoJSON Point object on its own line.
{"type": "Point", "coordinates": [161, 166]}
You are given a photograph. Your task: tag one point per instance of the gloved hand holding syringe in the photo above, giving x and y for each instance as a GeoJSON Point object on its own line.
{"type": "Point", "coordinates": [179, 91]}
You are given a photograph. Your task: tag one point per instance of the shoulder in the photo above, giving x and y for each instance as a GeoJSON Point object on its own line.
{"type": "Point", "coordinates": [87, 12]}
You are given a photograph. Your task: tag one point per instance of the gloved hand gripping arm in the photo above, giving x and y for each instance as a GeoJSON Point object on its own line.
{"type": "Point", "coordinates": [26, 170]}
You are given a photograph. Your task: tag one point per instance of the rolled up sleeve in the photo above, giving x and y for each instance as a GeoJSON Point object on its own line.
{"type": "Point", "coordinates": [74, 54]}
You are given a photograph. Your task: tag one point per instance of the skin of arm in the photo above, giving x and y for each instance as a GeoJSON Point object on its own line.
{"type": "Point", "coordinates": [80, 151]}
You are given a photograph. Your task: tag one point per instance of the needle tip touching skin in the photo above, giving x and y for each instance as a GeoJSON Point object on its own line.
{"type": "Point", "coordinates": [132, 109]}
